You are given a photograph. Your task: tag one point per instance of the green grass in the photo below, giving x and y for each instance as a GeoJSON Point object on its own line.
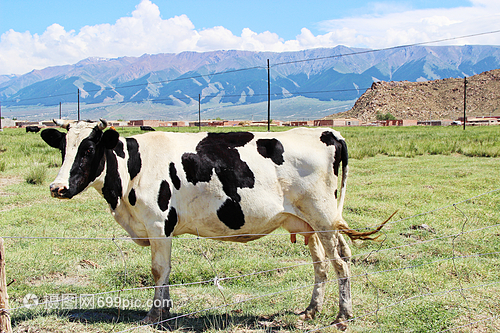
{"type": "Point", "coordinates": [417, 141]}
{"type": "Point", "coordinates": [36, 175]}
{"type": "Point", "coordinates": [407, 283]}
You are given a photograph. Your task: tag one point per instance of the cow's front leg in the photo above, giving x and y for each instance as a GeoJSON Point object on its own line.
{"type": "Point", "coordinates": [160, 257]}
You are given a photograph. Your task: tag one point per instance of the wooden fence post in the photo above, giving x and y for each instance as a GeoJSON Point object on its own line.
{"type": "Point", "coordinates": [5, 325]}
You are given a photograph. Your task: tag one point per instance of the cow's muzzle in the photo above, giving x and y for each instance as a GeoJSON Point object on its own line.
{"type": "Point", "coordinates": [59, 191]}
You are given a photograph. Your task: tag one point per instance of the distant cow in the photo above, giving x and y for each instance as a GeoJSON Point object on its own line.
{"type": "Point", "coordinates": [34, 129]}
{"type": "Point", "coordinates": [147, 128]}
{"type": "Point", "coordinates": [237, 185]}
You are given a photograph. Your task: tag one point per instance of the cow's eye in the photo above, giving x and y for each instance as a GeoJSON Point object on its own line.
{"type": "Point", "coordinates": [89, 151]}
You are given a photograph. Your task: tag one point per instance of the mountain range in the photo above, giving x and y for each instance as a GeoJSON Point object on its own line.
{"type": "Point", "coordinates": [238, 79]}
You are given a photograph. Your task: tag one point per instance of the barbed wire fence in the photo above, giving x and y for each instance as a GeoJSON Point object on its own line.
{"type": "Point", "coordinates": [218, 282]}
{"type": "Point", "coordinates": [366, 273]}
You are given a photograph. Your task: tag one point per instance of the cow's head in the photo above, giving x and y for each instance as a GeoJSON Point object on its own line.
{"type": "Point", "coordinates": [82, 149]}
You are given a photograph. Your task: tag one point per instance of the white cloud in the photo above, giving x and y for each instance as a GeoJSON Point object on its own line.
{"type": "Point", "coordinates": [408, 26]}
{"type": "Point", "coordinates": [145, 31]}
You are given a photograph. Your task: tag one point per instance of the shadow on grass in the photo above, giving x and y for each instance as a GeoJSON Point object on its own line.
{"type": "Point", "coordinates": [192, 323]}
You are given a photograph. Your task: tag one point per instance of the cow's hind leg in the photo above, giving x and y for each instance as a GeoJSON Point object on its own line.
{"type": "Point", "coordinates": [320, 277]}
{"type": "Point", "coordinates": [160, 255]}
{"type": "Point", "coordinates": [335, 245]}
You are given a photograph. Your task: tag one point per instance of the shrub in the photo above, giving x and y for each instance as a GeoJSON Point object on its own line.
{"type": "Point", "coordinates": [36, 175]}
{"type": "Point", "coordinates": [387, 116]}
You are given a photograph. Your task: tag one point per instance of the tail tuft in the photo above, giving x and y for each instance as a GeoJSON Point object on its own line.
{"type": "Point", "coordinates": [353, 234]}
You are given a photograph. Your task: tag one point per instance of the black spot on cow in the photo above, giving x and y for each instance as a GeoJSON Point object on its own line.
{"type": "Point", "coordinates": [271, 148]}
{"type": "Point", "coordinates": [230, 214]}
{"type": "Point", "coordinates": [329, 139]}
{"type": "Point", "coordinates": [131, 197]}
{"type": "Point", "coordinates": [335, 194]}
{"type": "Point", "coordinates": [112, 189]}
{"type": "Point", "coordinates": [119, 150]}
{"type": "Point", "coordinates": [134, 157]}
{"type": "Point", "coordinates": [164, 195]}
{"type": "Point", "coordinates": [171, 221]}
{"type": "Point", "coordinates": [217, 152]}
{"type": "Point", "coordinates": [173, 176]}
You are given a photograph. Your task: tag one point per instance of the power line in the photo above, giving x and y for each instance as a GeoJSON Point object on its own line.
{"type": "Point", "coordinates": [275, 94]}
{"type": "Point", "coordinates": [146, 84]}
{"type": "Point", "coordinates": [261, 67]}
{"type": "Point", "coordinates": [387, 48]}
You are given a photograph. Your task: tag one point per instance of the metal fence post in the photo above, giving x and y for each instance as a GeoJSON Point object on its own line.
{"type": "Point", "coordinates": [5, 324]}
{"type": "Point", "coordinates": [268, 97]}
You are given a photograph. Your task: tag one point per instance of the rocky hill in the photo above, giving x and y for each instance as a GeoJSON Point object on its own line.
{"type": "Point", "coordinates": [438, 99]}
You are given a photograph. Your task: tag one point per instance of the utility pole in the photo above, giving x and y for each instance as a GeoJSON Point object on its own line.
{"type": "Point", "coordinates": [60, 110]}
{"type": "Point", "coordinates": [78, 104]}
{"type": "Point", "coordinates": [1, 129]}
{"type": "Point", "coordinates": [268, 97]}
{"type": "Point", "coordinates": [465, 99]}
{"type": "Point", "coordinates": [199, 112]}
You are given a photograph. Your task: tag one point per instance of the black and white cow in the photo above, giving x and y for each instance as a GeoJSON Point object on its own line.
{"type": "Point", "coordinates": [161, 184]}
{"type": "Point", "coordinates": [34, 129]}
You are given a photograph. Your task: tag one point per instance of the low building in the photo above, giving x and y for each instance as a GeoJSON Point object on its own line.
{"type": "Point", "coordinates": [118, 123]}
{"type": "Point", "coordinates": [152, 123]}
{"type": "Point", "coordinates": [6, 122]}
{"type": "Point", "coordinates": [441, 122]}
{"type": "Point", "coordinates": [481, 121]}
{"type": "Point", "coordinates": [207, 123]}
{"type": "Point", "coordinates": [323, 122]}
{"type": "Point", "coordinates": [336, 122]}
{"type": "Point", "coordinates": [137, 123]}
{"type": "Point", "coordinates": [181, 123]}
{"type": "Point", "coordinates": [27, 123]}
{"type": "Point", "coordinates": [301, 123]}
{"type": "Point", "coordinates": [231, 123]}
{"type": "Point", "coordinates": [400, 122]}
{"type": "Point", "coordinates": [264, 123]}
{"type": "Point", "coordinates": [48, 124]}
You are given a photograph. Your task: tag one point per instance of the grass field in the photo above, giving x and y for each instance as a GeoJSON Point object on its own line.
{"type": "Point", "coordinates": [437, 268]}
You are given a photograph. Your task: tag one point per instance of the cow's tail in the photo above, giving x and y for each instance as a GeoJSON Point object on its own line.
{"type": "Point", "coordinates": [367, 235]}
{"type": "Point", "coordinates": [342, 225]}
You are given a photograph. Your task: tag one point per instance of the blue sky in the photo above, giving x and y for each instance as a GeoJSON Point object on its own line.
{"type": "Point", "coordinates": [37, 34]}
{"type": "Point", "coordinates": [284, 17]}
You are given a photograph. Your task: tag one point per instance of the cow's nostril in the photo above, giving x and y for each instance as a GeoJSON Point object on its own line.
{"type": "Point", "coordinates": [58, 191]}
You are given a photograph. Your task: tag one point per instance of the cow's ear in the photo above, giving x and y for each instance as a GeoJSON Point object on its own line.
{"type": "Point", "coordinates": [110, 139]}
{"type": "Point", "coordinates": [53, 137]}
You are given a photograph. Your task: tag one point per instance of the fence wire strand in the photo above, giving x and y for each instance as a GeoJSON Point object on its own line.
{"type": "Point", "coordinates": [218, 280]}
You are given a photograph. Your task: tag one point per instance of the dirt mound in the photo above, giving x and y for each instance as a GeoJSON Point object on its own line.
{"type": "Point", "coordinates": [439, 99]}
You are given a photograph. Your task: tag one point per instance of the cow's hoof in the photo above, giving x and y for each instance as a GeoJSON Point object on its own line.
{"type": "Point", "coordinates": [155, 318]}
{"type": "Point", "coordinates": [148, 320]}
{"type": "Point", "coordinates": [307, 314]}
{"type": "Point", "coordinates": [340, 324]}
